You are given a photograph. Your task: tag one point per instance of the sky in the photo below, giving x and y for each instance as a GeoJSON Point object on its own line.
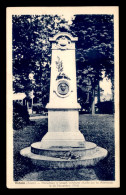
{"type": "Point", "coordinates": [68, 17]}
{"type": "Point", "coordinates": [106, 85]}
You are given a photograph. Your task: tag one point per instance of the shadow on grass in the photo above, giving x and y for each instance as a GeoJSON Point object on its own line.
{"type": "Point", "coordinates": [104, 171]}
{"type": "Point", "coordinates": [21, 166]}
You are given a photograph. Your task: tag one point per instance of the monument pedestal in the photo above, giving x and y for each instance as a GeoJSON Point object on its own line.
{"type": "Point", "coordinates": [63, 146]}
{"type": "Point", "coordinates": [63, 129]}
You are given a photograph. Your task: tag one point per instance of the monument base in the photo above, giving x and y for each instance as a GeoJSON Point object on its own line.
{"type": "Point", "coordinates": [65, 157]}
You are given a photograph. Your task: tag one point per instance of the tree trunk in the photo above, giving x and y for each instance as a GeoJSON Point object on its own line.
{"type": "Point", "coordinates": [93, 102]}
{"type": "Point", "coordinates": [41, 80]}
{"type": "Point", "coordinates": [32, 105]}
{"type": "Point", "coordinates": [98, 92]}
{"type": "Point", "coordinates": [112, 89]}
{"type": "Point", "coordinates": [27, 106]}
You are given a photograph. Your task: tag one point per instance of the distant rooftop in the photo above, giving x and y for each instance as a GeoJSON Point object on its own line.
{"type": "Point", "coordinates": [19, 96]}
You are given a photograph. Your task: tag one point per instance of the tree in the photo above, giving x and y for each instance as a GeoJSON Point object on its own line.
{"type": "Point", "coordinates": [94, 49]}
{"type": "Point", "coordinates": [32, 52]}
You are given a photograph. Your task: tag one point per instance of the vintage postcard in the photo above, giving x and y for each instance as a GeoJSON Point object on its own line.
{"type": "Point", "coordinates": [63, 97]}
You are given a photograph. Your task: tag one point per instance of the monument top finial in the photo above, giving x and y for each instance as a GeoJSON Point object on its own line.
{"type": "Point", "coordinates": [63, 34]}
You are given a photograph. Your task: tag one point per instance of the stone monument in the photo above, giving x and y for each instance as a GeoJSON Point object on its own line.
{"type": "Point", "coordinates": [63, 145]}
{"type": "Point", "coordinates": [63, 126]}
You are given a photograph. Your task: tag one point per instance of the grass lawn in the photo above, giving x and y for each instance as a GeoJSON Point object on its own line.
{"type": "Point", "coordinates": [96, 128]}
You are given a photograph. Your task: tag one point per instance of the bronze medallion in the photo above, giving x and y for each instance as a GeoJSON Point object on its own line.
{"type": "Point", "coordinates": [63, 88]}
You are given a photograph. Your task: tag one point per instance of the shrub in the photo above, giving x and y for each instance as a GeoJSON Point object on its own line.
{"type": "Point", "coordinates": [38, 108]}
{"type": "Point", "coordinates": [20, 116]}
{"type": "Point", "coordinates": [106, 107]}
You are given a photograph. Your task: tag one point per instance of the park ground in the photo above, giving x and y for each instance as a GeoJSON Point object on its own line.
{"type": "Point", "coordinates": [95, 128]}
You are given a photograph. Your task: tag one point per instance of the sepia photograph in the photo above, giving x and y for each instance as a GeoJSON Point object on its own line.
{"type": "Point", "coordinates": [62, 97]}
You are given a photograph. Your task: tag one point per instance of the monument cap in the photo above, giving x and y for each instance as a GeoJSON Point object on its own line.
{"type": "Point", "coordinates": [63, 34]}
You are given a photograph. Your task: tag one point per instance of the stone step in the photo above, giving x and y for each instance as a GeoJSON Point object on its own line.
{"type": "Point", "coordinates": [64, 152]}
{"type": "Point", "coordinates": [55, 162]}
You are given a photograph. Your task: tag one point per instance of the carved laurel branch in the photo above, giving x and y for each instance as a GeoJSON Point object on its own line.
{"type": "Point", "coordinates": [59, 65]}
